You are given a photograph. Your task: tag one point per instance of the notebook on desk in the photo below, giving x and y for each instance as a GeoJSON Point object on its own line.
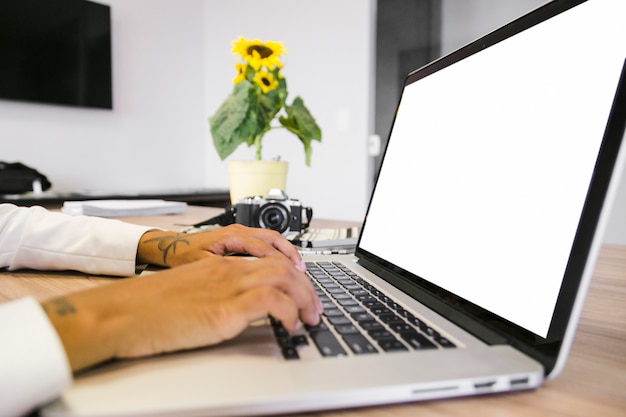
{"type": "Point", "coordinates": [474, 257]}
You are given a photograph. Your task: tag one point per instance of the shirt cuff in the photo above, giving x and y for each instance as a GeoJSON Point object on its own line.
{"type": "Point", "coordinates": [35, 368]}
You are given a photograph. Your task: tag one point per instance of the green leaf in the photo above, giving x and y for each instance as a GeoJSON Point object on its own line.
{"type": "Point", "coordinates": [300, 122]}
{"type": "Point", "coordinates": [246, 115]}
{"type": "Point", "coordinates": [232, 125]}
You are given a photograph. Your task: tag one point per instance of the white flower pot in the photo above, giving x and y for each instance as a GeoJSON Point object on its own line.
{"type": "Point", "coordinates": [251, 178]}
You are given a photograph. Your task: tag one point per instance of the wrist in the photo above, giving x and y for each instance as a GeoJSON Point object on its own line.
{"type": "Point", "coordinates": [157, 247]}
{"type": "Point", "coordinates": [148, 248]}
{"type": "Point", "coordinates": [86, 331]}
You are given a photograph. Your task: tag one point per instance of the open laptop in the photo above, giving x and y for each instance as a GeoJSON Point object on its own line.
{"type": "Point", "coordinates": [475, 254]}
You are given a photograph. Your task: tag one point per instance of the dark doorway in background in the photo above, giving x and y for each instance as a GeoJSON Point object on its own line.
{"type": "Point", "coordinates": [408, 35]}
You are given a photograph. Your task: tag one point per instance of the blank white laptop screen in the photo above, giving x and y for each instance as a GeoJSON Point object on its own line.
{"type": "Point", "coordinates": [501, 148]}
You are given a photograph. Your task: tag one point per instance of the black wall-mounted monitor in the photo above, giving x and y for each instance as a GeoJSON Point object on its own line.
{"type": "Point", "coordinates": [56, 52]}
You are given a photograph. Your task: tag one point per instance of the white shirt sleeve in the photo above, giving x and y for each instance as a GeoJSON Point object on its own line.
{"type": "Point", "coordinates": [33, 366]}
{"type": "Point", "coordinates": [33, 237]}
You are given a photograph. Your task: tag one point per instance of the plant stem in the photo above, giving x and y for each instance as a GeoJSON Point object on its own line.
{"type": "Point", "coordinates": [257, 143]}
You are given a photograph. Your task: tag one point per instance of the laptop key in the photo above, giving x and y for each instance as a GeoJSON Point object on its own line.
{"type": "Point", "coordinates": [342, 296]}
{"type": "Point", "coordinates": [380, 309]}
{"type": "Point", "coordinates": [362, 317]}
{"type": "Point", "coordinates": [370, 325]}
{"type": "Point", "coordinates": [350, 303]}
{"type": "Point", "coordinates": [359, 344]}
{"type": "Point", "coordinates": [327, 343]}
{"type": "Point", "coordinates": [375, 304]}
{"type": "Point", "coordinates": [389, 318]}
{"type": "Point", "coordinates": [352, 309]}
{"type": "Point", "coordinates": [339, 320]}
{"type": "Point", "coordinates": [290, 352]}
{"type": "Point", "coordinates": [401, 327]}
{"type": "Point", "coordinates": [444, 342]}
{"type": "Point", "coordinates": [417, 341]}
{"type": "Point", "coordinates": [320, 327]}
{"type": "Point", "coordinates": [328, 304]}
{"type": "Point", "coordinates": [352, 287]}
{"type": "Point", "coordinates": [365, 298]}
{"type": "Point", "coordinates": [381, 333]}
{"type": "Point", "coordinates": [346, 329]}
{"type": "Point", "coordinates": [333, 312]}
{"type": "Point", "coordinates": [286, 341]}
{"type": "Point", "coordinates": [391, 345]}
{"type": "Point", "coordinates": [299, 340]}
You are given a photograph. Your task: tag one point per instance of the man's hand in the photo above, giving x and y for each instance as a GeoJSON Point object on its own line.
{"type": "Point", "coordinates": [171, 248]}
{"type": "Point", "coordinates": [199, 304]}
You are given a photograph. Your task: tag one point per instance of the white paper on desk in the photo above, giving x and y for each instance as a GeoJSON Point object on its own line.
{"type": "Point", "coordinates": [123, 208]}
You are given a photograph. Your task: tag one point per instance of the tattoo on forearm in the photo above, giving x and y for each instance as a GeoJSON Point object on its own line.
{"type": "Point", "coordinates": [60, 306]}
{"type": "Point", "coordinates": [168, 243]}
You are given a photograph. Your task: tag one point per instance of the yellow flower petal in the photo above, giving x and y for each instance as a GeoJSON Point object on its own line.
{"type": "Point", "coordinates": [259, 54]}
{"type": "Point", "coordinates": [266, 81]}
{"type": "Point", "coordinates": [241, 73]}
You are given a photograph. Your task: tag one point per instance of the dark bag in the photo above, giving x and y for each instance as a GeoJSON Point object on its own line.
{"type": "Point", "coordinates": [17, 178]}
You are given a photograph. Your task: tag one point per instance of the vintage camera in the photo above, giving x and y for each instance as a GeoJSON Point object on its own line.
{"type": "Point", "coordinates": [276, 211]}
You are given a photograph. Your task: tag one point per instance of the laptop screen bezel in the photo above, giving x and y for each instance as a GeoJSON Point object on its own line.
{"type": "Point", "coordinates": [545, 350]}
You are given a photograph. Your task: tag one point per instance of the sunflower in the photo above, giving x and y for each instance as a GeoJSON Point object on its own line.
{"type": "Point", "coordinates": [266, 81]}
{"type": "Point", "coordinates": [258, 102]}
{"type": "Point", "coordinates": [259, 54]}
{"type": "Point", "coordinates": [241, 72]}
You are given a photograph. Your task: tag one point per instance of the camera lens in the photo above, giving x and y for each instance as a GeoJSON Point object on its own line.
{"type": "Point", "coordinates": [274, 216]}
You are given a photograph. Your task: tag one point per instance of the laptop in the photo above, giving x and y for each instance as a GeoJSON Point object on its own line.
{"type": "Point", "coordinates": [474, 256]}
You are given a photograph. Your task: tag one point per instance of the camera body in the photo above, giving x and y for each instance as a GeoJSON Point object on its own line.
{"type": "Point", "coordinates": [276, 212]}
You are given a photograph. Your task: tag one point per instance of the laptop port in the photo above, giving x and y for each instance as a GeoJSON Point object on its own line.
{"type": "Point", "coordinates": [516, 382]}
{"type": "Point", "coordinates": [484, 385]}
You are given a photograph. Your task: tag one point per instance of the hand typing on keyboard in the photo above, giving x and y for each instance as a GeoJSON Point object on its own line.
{"type": "Point", "coordinates": [198, 304]}
{"type": "Point", "coordinates": [167, 248]}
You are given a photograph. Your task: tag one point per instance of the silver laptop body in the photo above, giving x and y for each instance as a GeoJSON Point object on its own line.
{"type": "Point", "coordinates": [483, 228]}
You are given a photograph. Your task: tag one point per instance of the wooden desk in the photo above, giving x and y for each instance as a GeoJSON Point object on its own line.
{"type": "Point", "coordinates": [592, 384]}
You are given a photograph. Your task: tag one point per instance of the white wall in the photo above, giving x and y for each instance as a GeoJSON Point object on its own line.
{"type": "Point", "coordinates": [466, 20]}
{"type": "Point", "coordinates": [173, 67]}
{"type": "Point", "coordinates": [327, 63]}
{"type": "Point", "coordinates": [152, 137]}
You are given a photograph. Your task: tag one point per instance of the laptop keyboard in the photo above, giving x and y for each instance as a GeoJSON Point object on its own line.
{"type": "Point", "coordinates": [358, 319]}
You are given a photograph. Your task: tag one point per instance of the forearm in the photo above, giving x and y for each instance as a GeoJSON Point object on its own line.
{"type": "Point", "coordinates": [119, 319]}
